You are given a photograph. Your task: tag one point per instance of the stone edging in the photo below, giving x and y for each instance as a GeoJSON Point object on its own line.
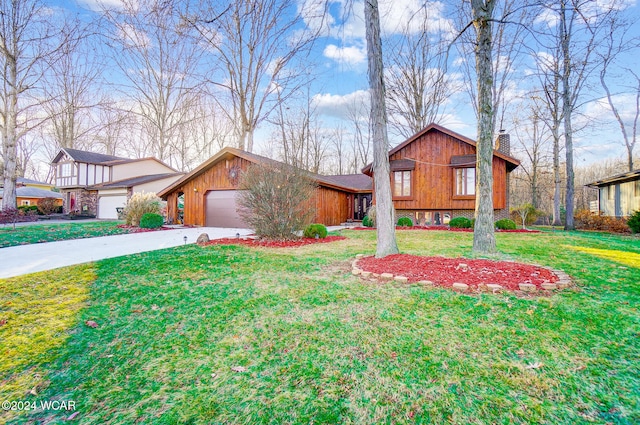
{"type": "Point", "coordinates": [564, 281]}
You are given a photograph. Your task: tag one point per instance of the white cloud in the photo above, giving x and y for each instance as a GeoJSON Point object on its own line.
{"type": "Point", "coordinates": [350, 55]}
{"type": "Point", "coordinates": [98, 5]}
{"type": "Point", "coordinates": [341, 106]}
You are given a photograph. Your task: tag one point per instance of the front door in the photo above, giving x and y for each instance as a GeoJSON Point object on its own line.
{"type": "Point", "coordinates": [362, 202]}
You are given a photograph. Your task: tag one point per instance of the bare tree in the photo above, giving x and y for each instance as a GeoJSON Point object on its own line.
{"type": "Point", "coordinates": [256, 44]}
{"type": "Point", "coordinates": [25, 40]}
{"type": "Point", "coordinates": [617, 43]}
{"type": "Point", "coordinates": [417, 85]}
{"type": "Point", "coordinates": [385, 213]}
{"type": "Point", "coordinates": [161, 65]}
{"type": "Point", "coordinates": [362, 133]}
{"type": "Point", "coordinates": [71, 87]}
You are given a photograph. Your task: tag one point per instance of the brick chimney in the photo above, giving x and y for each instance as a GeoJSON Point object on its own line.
{"type": "Point", "coordinates": [503, 143]}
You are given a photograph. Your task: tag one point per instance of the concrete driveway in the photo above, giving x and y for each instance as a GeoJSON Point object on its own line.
{"type": "Point", "coordinates": [24, 259]}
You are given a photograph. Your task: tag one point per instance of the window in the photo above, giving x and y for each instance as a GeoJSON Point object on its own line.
{"type": "Point", "coordinates": [465, 181]}
{"type": "Point", "coordinates": [65, 170]}
{"type": "Point", "coordinates": [402, 184]}
{"type": "Point", "coordinates": [25, 202]}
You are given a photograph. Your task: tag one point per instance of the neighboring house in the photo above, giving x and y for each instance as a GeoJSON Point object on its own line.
{"type": "Point", "coordinates": [210, 193]}
{"type": "Point", "coordinates": [619, 195]}
{"type": "Point", "coordinates": [29, 192]}
{"type": "Point", "coordinates": [433, 176]}
{"type": "Point", "coordinates": [98, 184]}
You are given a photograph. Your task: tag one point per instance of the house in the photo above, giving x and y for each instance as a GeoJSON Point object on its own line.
{"type": "Point", "coordinates": [433, 176]}
{"type": "Point", "coordinates": [209, 193]}
{"type": "Point", "coordinates": [619, 195]}
{"type": "Point", "coordinates": [29, 192]}
{"type": "Point", "coordinates": [99, 184]}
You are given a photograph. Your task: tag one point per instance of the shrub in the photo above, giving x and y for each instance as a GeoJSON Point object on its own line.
{"type": "Point", "coordinates": [371, 213]}
{"type": "Point", "coordinates": [28, 209]}
{"type": "Point", "coordinates": [634, 222]}
{"type": "Point", "coordinates": [586, 220]}
{"type": "Point", "coordinates": [473, 223]}
{"type": "Point", "coordinates": [314, 230]}
{"type": "Point", "coordinates": [47, 206]}
{"type": "Point", "coordinates": [367, 222]}
{"type": "Point", "coordinates": [140, 204]}
{"type": "Point", "coordinates": [15, 215]}
{"type": "Point", "coordinates": [505, 224]}
{"type": "Point", "coordinates": [460, 223]}
{"type": "Point", "coordinates": [151, 221]}
{"type": "Point", "coordinates": [405, 222]}
{"type": "Point", "coordinates": [276, 200]}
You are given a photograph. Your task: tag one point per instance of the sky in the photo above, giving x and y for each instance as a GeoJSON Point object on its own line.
{"type": "Point", "coordinates": [339, 57]}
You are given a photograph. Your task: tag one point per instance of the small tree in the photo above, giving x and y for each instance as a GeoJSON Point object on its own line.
{"type": "Point", "coordinates": [525, 214]}
{"type": "Point", "coordinates": [276, 200]}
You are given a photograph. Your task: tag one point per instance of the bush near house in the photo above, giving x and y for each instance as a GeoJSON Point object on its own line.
{"type": "Point", "coordinates": [47, 206]}
{"type": "Point", "coordinates": [275, 200]}
{"type": "Point", "coordinates": [527, 212]}
{"type": "Point", "coordinates": [367, 222]}
{"type": "Point", "coordinates": [314, 230]}
{"type": "Point", "coordinates": [405, 222]}
{"type": "Point", "coordinates": [460, 223]}
{"type": "Point", "coordinates": [586, 220]}
{"type": "Point", "coordinates": [505, 224]}
{"type": "Point", "coordinates": [140, 204]}
{"type": "Point", "coordinates": [151, 221]}
{"type": "Point", "coordinates": [634, 222]}
{"type": "Point", "coordinates": [16, 215]}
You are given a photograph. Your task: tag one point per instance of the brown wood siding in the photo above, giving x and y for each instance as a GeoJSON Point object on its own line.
{"type": "Point", "coordinates": [215, 178]}
{"type": "Point", "coordinates": [433, 177]}
{"type": "Point", "coordinates": [332, 206]}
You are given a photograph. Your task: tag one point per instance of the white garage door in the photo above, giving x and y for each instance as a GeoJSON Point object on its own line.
{"type": "Point", "coordinates": [107, 205]}
{"type": "Point", "coordinates": [221, 209]}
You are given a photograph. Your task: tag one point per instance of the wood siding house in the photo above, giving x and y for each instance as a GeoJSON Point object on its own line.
{"type": "Point", "coordinates": [209, 193]}
{"type": "Point", "coordinates": [619, 195]}
{"type": "Point", "coordinates": [433, 176]}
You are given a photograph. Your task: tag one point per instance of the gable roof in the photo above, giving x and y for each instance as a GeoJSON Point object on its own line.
{"type": "Point", "coordinates": [618, 178]}
{"type": "Point", "coordinates": [336, 182]}
{"type": "Point", "coordinates": [34, 192]}
{"type": "Point", "coordinates": [85, 156]}
{"type": "Point", "coordinates": [512, 163]}
{"type": "Point", "coordinates": [133, 181]}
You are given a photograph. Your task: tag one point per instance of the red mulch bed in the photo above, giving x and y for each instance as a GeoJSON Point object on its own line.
{"type": "Point", "coordinates": [451, 229]}
{"type": "Point", "coordinates": [445, 271]}
{"type": "Point", "coordinates": [273, 244]}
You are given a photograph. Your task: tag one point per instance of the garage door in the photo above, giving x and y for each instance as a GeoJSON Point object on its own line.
{"type": "Point", "coordinates": [107, 206]}
{"type": "Point", "coordinates": [221, 209]}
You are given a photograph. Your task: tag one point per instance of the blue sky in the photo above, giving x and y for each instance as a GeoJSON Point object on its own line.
{"type": "Point", "coordinates": [340, 68]}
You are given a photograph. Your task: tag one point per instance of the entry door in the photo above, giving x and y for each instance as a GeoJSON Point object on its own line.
{"type": "Point", "coordinates": [362, 203]}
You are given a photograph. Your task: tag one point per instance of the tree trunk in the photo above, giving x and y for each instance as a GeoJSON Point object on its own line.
{"type": "Point", "coordinates": [386, 231]}
{"type": "Point", "coordinates": [484, 240]}
{"type": "Point", "coordinates": [9, 142]}
{"type": "Point", "coordinates": [568, 112]}
{"type": "Point", "coordinates": [557, 221]}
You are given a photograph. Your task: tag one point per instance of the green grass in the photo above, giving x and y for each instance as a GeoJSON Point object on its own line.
{"type": "Point", "coordinates": [38, 233]}
{"type": "Point", "coordinates": [320, 345]}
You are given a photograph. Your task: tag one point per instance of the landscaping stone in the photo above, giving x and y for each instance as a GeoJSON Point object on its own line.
{"type": "Point", "coordinates": [387, 276]}
{"type": "Point", "coordinates": [356, 272]}
{"type": "Point", "coordinates": [375, 275]}
{"type": "Point", "coordinates": [461, 287]}
{"type": "Point", "coordinates": [425, 282]}
{"type": "Point", "coordinates": [562, 284]}
{"type": "Point", "coordinates": [202, 239]}
{"type": "Point", "coordinates": [365, 274]}
{"type": "Point", "coordinates": [358, 256]}
{"type": "Point", "coordinates": [494, 287]}
{"type": "Point", "coordinates": [401, 279]}
{"type": "Point", "coordinates": [527, 287]}
{"type": "Point", "coordinates": [549, 286]}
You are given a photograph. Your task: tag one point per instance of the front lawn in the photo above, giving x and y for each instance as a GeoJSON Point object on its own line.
{"type": "Point", "coordinates": [37, 233]}
{"type": "Point", "coordinates": [231, 334]}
